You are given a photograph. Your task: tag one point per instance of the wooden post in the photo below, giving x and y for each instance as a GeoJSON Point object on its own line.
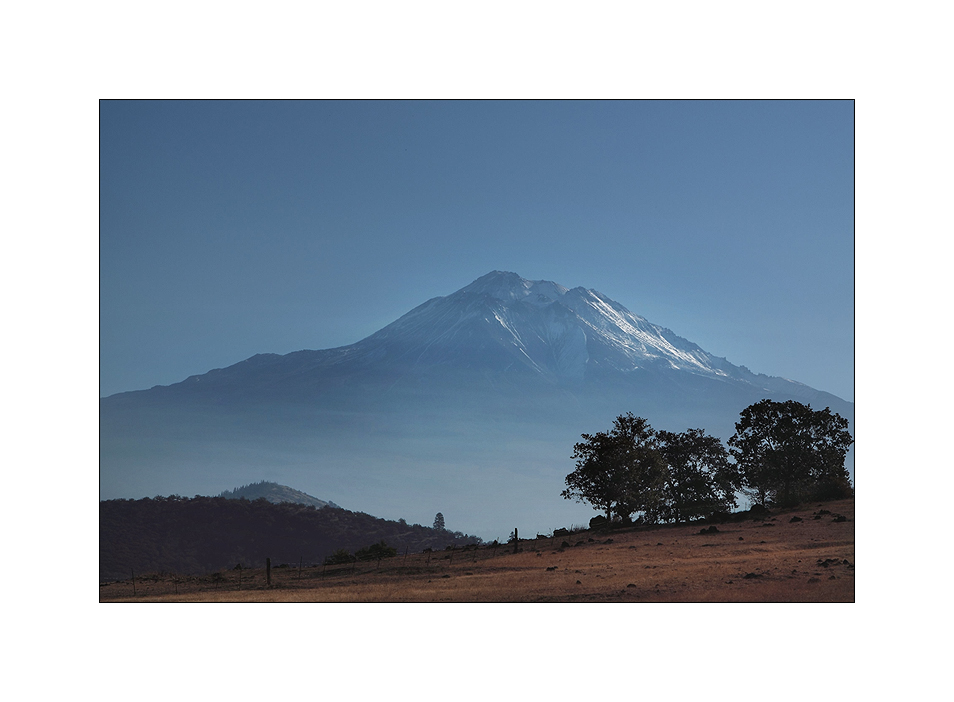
{"type": "Point", "coordinates": [516, 539]}
{"type": "Point", "coordinates": [300, 559]}
{"type": "Point", "coordinates": [405, 553]}
{"type": "Point", "coordinates": [268, 572]}
{"type": "Point", "coordinates": [133, 574]}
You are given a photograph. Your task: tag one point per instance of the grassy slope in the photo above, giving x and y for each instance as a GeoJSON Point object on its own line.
{"type": "Point", "coordinates": [776, 560]}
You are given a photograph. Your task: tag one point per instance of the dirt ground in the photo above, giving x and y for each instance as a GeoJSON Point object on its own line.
{"type": "Point", "coordinates": [804, 554]}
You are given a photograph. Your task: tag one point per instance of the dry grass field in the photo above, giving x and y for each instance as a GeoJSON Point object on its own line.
{"type": "Point", "coordinates": [799, 555]}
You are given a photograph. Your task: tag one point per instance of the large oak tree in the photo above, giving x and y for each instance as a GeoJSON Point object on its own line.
{"type": "Point", "coordinates": [619, 471]}
{"type": "Point", "coordinates": [700, 480]}
{"type": "Point", "coordinates": [787, 452]}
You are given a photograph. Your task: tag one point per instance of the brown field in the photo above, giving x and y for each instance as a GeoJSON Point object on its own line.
{"type": "Point", "coordinates": [775, 560]}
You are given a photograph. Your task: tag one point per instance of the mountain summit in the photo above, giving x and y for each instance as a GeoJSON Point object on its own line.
{"type": "Point", "coordinates": [471, 401]}
{"type": "Point", "coordinates": [505, 323]}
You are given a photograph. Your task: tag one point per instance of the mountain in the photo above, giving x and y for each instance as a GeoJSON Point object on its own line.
{"type": "Point", "coordinates": [276, 494]}
{"type": "Point", "coordinates": [469, 404]}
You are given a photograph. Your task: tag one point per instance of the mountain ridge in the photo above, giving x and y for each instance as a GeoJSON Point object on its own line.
{"type": "Point", "coordinates": [568, 322]}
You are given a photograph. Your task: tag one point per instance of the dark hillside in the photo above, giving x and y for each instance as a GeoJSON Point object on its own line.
{"type": "Point", "coordinates": [206, 534]}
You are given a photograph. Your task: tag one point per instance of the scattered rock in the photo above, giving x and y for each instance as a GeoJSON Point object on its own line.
{"type": "Point", "coordinates": [741, 539]}
{"type": "Point", "coordinates": [750, 576]}
{"type": "Point", "coordinates": [840, 518]}
{"type": "Point", "coordinates": [598, 521]}
{"type": "Point", "coordinates": [711, 530]}
{"type": "Point", "coordinates": [608, 541]}
{"type": "Point", "coordinates": [794, 519]}
{"type": "Point", "coordinates": [631, 585]}
{"type": "Point", "coordinates": [579, 582]}
{"type": "Point", "coordinates": [552, 568]}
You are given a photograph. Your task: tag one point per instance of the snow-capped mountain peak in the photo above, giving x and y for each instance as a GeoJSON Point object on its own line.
{"type": "Point", "coordinates": [509, 287]}
{"type": "Point", "coordinates": [505, 322]}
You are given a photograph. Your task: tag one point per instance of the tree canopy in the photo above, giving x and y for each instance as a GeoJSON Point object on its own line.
{"type": "Point", "coordinates": [619, 471]}
{"type": "Point", "coordinates": [699, 479]}
{"type": "Point", "coordinates": [783, 452]}
{"type": "Point", "coordinates": [787, 452]}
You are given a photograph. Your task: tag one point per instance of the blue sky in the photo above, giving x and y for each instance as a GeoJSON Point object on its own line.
{"type": "Point", "coordinates": [234, 228]}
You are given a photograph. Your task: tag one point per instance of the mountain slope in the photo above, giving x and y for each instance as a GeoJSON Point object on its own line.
{"type": "Point", "coordinates": [468, 403]}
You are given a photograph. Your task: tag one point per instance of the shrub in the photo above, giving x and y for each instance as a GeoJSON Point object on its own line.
{"type": "Point", "coordinates": [375, 552]}
{"type": "Point", "coordinates": [338, 557]}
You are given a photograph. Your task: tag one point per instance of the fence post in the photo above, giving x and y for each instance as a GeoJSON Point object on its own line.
{"type": "Point", "coordinates": [133, 574]}
{"type": "Point", "coordinates": [268, 572]}
{"type": "Point", "coordinates": [300, 559]}
{"type": "Point", "coordinates": [516, 540]}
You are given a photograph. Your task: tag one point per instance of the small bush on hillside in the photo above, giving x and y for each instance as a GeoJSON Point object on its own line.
{"type": "Point", "coordinates": [375, 552]}
{"type": "Point", "coordinates": [338, 557]}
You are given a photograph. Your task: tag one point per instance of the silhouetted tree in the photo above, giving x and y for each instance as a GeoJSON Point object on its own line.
{"type": "Point", "coordinates": [439, 522]}
{"type": "Point", "coordinates": [787, 452]}
{"type": "Point", "coordinates": [619, 471]}
{"type": "Point", "coordinates": [699, 480]}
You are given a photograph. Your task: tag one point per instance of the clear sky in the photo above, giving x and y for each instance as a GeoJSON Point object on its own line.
{"type": "Point", "coordinates": [234, 228]}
